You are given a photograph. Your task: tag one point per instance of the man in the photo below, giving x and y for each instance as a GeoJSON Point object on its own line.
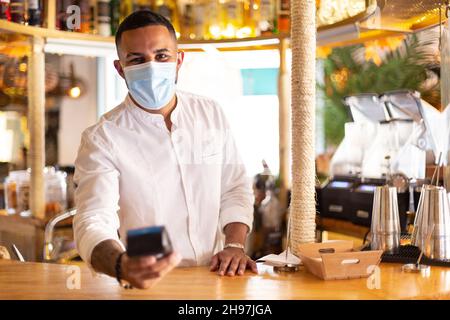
{"type": "Point", "coordinates": [162, 157]}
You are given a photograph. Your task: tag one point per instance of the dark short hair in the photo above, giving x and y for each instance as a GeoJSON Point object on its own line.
{"type": "Point", "coordinates": [143, 18]}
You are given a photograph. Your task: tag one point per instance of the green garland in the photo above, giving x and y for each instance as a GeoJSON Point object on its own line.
{"type": "Point", "coordinates": [407, 67]}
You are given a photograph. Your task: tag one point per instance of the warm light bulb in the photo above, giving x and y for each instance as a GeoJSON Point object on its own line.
{"type": "Point", "coordinates": [215, 31]}
{"type": "Point", "coordinates": [75, 92]}
{"type": "Point", "coordinates": [23, 67]}
{"type": "Point", "coordinates": [244, 32]}
{"type": "Point", "coordinates": [229, 31]}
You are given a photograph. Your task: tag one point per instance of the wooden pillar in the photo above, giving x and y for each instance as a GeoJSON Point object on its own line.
{"type": "Point", "coordinates": [36, 123]}
{"type": "Point", "coordinates": [303, 44]}
{"type": "Point", "coordinates": [284, 122]}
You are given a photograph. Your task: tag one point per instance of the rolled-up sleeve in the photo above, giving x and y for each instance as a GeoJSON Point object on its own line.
{"type": "Point", "coordinates": [237, 194]}
{"type": "Point", "coordinates": [96, 195]}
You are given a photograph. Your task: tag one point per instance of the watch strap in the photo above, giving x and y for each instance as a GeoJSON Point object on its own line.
{"type": "Point", "coordinates": [118, 269]}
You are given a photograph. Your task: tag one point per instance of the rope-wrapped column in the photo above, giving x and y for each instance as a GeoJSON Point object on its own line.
{"type": "Point", "coordinates": [36, 123]}
{"type": "Point", "coordinates": [303, 42]}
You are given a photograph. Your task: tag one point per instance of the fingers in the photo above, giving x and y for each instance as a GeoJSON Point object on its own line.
{"type": "Point", "coordinates": [161, 268]}
{"type": "Point", "coordinates": [232, 268]}
{"type": "Point", "coordinates": [252, 265]}
{"type": "Point", "coordinates": [224, 263]}
{"type": "Point", "coordinates": [144, 271]}
{"type": "Point", "coordinates": [231, 262]}
{"type": "Point", "coordinates": [139, 263]}
{"type": "Point", "coordinates": [242, 267]}
{"type": "Point", "coordinates": [214, 263]}
{"type": "Point", "coordinates": [144, 284]}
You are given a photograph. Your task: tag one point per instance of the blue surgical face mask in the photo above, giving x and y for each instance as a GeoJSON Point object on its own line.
{"type": "Point", "coordinates": [151, 84]}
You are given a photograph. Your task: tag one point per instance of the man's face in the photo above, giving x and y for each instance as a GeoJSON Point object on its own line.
{"type": "Point", "coordinates": [151, 43]}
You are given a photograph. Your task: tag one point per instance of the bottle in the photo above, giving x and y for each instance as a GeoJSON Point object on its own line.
{"type": "Point", "coordinates": [115, 15]}
{"type": "Point", "coordinates": [194, 20]}
{"type": "Point", "coordinates": [214, 22]}
{"type": "Point", "coordinates": [268, 215]}
{"type": "Point", "coordinates": [17, 9]}
{"type": "Point", "coordinates": [61, 14]}
{"type": "Point", "coordinates": [4, 10]}
{"type": "Point", "coordinates": [251, 17]}
{"type": "Point", "coordinates": [169, 10]}
{"type": "Point", "coordinates": [34, 13]}
{"type": "Point", "coordinates": [93, 17]}
{"type": "Point", "coordinates": [126, 8]}
{"type": "Point", "coordinates": [271, 219]}
{"type": "Point", "coordinates": [103, 18]}
{"type": "Point", "coordinates": [188, 21]}
{"type": "Point", "coordinates": [266, 21]}
{"type": "Point", "coordinates": [234, 18]}
{"type": "Point", "coordinates": [142, 5]}
{"type": "Point", "coordinates": [85, 25]}
{"type": "Point", "coordinates": [284, 12]}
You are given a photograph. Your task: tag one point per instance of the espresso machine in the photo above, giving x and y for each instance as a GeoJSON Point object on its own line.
{"type": "Point", "coordinates": [386, 143]}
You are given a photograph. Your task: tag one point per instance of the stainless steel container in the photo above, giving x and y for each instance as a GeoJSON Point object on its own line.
{"type": "Point", "coordinates": [433, 221]}
{"type": "Point", "coordinates": [385, 227]}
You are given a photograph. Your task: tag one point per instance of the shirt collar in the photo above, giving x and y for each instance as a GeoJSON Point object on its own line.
{"type": "Point", "coordinates": [154, 118]}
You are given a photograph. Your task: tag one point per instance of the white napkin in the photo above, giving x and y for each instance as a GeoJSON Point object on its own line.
{"type": "Point", "coordinates": [280, 259]}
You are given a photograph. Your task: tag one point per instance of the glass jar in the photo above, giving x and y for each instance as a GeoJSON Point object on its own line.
{"type": "Point", "coordinates": [10, 194]}
{"type": "Point", "coordinates": [17, 192]}
{"type": "Point", "coordinates": [55, 192]}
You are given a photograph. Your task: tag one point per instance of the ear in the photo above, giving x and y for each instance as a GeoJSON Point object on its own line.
{"type": "Point", "coordinates": [119, 68]}
{"type": "Point", "coordinates": [180, 59]}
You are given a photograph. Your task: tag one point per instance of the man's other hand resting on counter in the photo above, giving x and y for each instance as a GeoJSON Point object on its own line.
{"type": "Point", "coordinates": [232, 260]}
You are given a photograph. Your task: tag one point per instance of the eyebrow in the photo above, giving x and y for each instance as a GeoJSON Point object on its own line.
{"type": "Point", "coordinates": [141, 54]}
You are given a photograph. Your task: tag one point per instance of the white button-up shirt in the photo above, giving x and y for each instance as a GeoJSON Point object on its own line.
{"type": "Point", "coordinates": [132, 172]}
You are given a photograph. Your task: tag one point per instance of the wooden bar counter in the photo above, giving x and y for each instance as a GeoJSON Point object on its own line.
{"type": "Point", "coordinates": [49, 281]}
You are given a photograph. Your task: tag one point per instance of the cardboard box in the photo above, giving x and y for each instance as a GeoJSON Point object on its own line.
{"type": "Point", "coordinates": [337, 260]}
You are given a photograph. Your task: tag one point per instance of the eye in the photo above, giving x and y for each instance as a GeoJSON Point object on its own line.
{"type": "Point", "coordinates": [161, 57]}
{"type": "Point", "coordinates": [136, 61]}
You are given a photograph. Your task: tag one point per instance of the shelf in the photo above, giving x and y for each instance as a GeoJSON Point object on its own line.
{"type": "Point", "coordinates": [86, 40]}
{"type": "Point", "coordinates": [32, 31]}
{"type": "Point", "coordinates": [255, 43]}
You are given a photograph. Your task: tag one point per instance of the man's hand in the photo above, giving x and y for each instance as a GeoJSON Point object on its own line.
{"type": "Point", "coordinates": [231, 261]}
{"type": "Point", "coordinates": [144, 272]}
{"type": "Point", "coordinates": [140, 272]}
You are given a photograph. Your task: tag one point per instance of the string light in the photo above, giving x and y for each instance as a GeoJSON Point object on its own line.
{"type": "Point", "coordinates": [75, 92]}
